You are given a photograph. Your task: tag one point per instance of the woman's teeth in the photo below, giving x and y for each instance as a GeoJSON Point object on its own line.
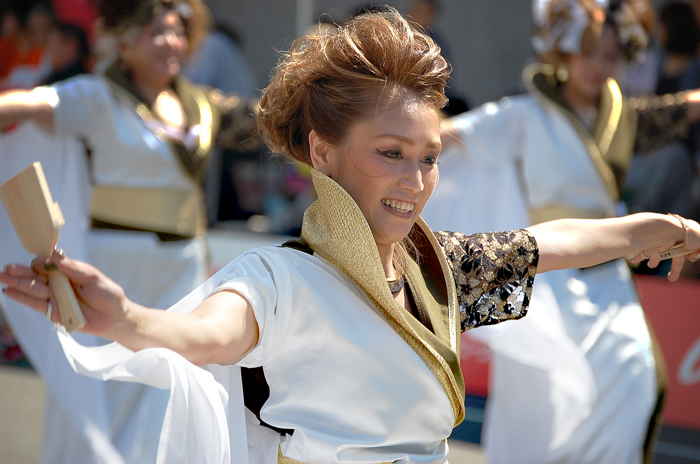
{"type": "Point", "coordinates": [400, 206]}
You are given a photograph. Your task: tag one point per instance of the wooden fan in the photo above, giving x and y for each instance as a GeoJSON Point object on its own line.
{"type": "Point", "coordinates": [37, 221]}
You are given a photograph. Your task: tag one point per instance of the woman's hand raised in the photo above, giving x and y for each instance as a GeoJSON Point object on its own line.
{"type": "Point", "coordinates": [102, 301]}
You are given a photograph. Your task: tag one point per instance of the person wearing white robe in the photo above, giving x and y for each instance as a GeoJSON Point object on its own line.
{"type": "Point", "coordinates": [137, 202]}
{"type": "Point", "coordinates": [584, 355]}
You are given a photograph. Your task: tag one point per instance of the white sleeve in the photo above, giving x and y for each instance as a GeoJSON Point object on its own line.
{"type": "Point", "coordinates": [490, 134]}
{"type": "Point", "coordinates": [479, 188]}
{"type": "Point", "coordinates": [263, 282]}
{"type": "Point", "coordinates": [79, 104]}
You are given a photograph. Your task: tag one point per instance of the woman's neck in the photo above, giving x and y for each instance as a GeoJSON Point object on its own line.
{"type": "Point", "coordinates": [583, 106]}
{"type": "Point", "coordinates": [386, 255]}
{"type": "Point", "coordinates": [150, 88]}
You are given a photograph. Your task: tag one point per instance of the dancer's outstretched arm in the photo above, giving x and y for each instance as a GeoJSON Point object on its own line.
{"type": "Point", "coordinates": [580, 243]}
{"type": "Point", "coordinates": [20, 105]}
{"type": "Point", "coordinates": [221, 329]}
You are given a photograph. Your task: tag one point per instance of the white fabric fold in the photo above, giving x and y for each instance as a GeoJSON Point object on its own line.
{"type": "Point", "coordinates": [204, 421]}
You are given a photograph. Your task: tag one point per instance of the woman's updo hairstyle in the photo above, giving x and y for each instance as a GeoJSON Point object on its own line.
{"type": "Point", "coordinates": [334, 79]}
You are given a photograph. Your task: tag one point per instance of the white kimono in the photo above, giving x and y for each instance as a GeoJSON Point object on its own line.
{"type": "Point", "coordinates": [126, 153]}
{"type": "Point", "coordinates": [355, 377]}
{"type": "Point", "coordinates": [582, 359]}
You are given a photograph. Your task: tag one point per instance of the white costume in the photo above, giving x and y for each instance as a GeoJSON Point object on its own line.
{"type": "Point", "coordinates": [355, 376]}
{"type": "Point", "coordinates": [126, 154]}
{"type": "Point", "coordinates": [582, 359]}
{"type": "Point", "coordinates": [138, 183]}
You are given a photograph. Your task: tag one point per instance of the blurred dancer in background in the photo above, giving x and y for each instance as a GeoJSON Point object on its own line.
{"type": "Point", "coordinates": [579, 381]}
{"type": "Point", "coordinates": [148, 133]}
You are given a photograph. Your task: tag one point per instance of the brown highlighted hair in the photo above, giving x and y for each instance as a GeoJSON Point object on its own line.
{"type": "Point", "coordinates": [334, 79]}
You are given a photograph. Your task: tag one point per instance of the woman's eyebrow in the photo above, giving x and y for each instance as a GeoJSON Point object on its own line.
{"type": "Point", "coordinates": [407, 140]}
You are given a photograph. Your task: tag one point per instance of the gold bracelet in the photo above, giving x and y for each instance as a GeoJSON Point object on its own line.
{"type": "Point", "coordinates": [685, 230]}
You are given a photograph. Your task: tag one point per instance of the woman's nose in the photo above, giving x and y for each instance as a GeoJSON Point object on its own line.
{"type": "Point", "coordinates": [412, 177]}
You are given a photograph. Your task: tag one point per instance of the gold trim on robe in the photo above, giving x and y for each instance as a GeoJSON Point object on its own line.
{"type": "Point", "coordinates": [336, 230]}
{"type": "Point", "coordinates": [610, 144]}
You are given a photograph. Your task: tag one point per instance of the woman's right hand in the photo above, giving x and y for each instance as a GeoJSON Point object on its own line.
{"type": "Point", "coordinates": [102, 301]}
{"type": "Point", "coordinates": [220, 329]}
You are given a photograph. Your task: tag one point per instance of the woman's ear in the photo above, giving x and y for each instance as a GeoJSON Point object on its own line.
{"type": "Point", "coordinates": [322, 156]}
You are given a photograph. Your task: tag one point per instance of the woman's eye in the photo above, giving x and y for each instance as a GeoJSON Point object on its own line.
{"type": "Point", "coordinates": [393, 154]}
{"type": "Point", "coordinates": [431, 160]}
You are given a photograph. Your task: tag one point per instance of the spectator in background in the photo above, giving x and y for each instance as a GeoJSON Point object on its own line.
{"type": "Point", "coordinates": [678, 34]}
{"type": "Point", "coordinates": [220, 63]}
{"type": "Point", "coordinates": [26, 25]}
{"type": "Point", "coordinates": [661, 179]}
{"type": "Point", "coordinates": [425, 13]}
{"type": "Point", "coordinates": [68, 52]}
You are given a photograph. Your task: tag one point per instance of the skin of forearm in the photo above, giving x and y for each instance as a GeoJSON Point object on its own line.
{"type": "Point", "coordinates": [580, 243]}
{"type": "Point", "coordinates": [20, 105]}
{"type": "Point", "coordinates": [220, 330]}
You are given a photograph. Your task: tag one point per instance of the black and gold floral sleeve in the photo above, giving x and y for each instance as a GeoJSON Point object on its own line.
{"type": "Point", "coordinates": [494, 273]}
{"type": "Point", "coordinates": [662, 118]}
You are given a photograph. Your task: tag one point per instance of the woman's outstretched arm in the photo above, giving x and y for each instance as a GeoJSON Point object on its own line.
{"type": "Point", "coordinates": [580, 243]}
{"type": "Point", "coordinates": [221, 329]}
{"type": "Point", "coordinates": [20, 105]}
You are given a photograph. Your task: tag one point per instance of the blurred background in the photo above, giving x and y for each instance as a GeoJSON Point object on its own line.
{"type": "Point", "coordinates": [254, 198]}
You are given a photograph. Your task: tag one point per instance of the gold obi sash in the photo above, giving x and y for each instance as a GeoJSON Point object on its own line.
{"type": "Point", "coordinates": [552, 212]}
{"type": "Point", "coordinates": [157, 210]}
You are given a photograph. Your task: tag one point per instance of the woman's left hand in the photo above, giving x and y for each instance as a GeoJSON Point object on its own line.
{"type": "Point", "coordinates": [687, 249]}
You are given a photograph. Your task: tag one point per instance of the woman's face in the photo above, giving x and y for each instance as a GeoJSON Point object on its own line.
{"type": "Point", "coordinates": [598, 61]}
{"type": "Point", "coordinates": [388, 164]}
{"type": "Point", "coordinates": [159, 48]}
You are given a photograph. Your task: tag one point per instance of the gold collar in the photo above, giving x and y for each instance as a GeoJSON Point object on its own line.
{"type": "Point", "coordinates": [336, 230]}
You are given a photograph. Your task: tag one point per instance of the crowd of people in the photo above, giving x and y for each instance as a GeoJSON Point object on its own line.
{"type": "Point", "coordinates": [343, 345]}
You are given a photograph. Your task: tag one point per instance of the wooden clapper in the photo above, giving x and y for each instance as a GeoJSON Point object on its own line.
{"type": "Point", "coordinates": [37, 221]}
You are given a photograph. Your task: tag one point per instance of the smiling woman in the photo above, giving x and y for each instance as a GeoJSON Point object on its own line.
{"type": "Point", "coordinates": [334, 363]}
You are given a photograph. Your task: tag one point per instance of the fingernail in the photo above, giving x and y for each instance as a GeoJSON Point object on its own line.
{"type": "Point", "coordinates": [60, 252]}
{"type": "Point", "coordinates": [50, 267]}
